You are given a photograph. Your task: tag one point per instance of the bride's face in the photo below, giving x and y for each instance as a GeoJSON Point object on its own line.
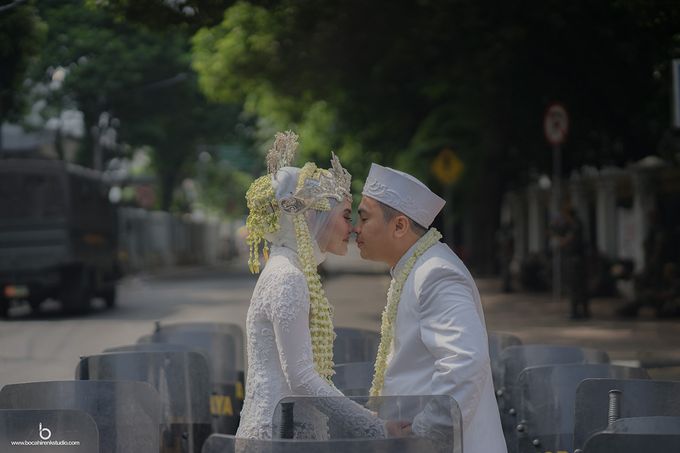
{"type": "Point", "coordinates": [336, 233]}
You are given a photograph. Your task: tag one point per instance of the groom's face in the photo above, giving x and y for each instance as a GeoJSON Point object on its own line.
{"type": "Point", "coordinates": [372, 231]}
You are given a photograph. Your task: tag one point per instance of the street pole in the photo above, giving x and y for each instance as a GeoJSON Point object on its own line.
{"type": "Point", "coordinates": [556, 126]}
{"type": "Point", "coordinates": [557, 250]}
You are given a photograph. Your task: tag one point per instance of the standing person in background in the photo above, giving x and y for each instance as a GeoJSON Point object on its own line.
{"type": "Point", "coordinates": [573, 245]}
{"type": "Point", "coordinates": [506, 249]}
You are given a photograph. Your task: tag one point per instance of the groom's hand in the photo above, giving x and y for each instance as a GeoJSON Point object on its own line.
{"type": "Point", "coordinates": [398, 428]}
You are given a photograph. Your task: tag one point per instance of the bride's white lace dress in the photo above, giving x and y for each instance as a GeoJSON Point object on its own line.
{"type": "Point", "coordinates": [280, 361]}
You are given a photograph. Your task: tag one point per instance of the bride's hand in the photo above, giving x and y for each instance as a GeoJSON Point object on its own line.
{"type": "Point", "coordinates": [398, 428]}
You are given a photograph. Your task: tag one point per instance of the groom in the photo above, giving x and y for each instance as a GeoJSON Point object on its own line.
{"type": "Point", "coordinates": [435, 337]}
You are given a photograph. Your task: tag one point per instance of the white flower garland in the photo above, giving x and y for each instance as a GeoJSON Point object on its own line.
{"type": "Point", "coordinates": [320, 310]}
{"type": "Point", "coordinates": [389, 314]}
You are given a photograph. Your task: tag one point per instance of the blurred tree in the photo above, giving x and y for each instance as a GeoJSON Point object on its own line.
{"type": "Point", "coordinates": [218, 183]}
{"type": "Point", "coordinates": [21, 35]}
{"type": "Point", "coordinates": [138, 76]}
{"type": "Point", "coordinates": [406, 79]}
{"type": "Point", "coordinates": [159, 14]}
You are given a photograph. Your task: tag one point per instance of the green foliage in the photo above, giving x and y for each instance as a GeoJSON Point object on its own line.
{"type": "Point", "coordinates": [159, 14]}
{"type": "Point", "coordinates": [244, 41]}
{"type": "Point", "coordinates": [21, 35]}
{"type": "Point", "coordinates": [473, 75]}
{"type": "Point", "coordinates": [140, 76]}
{"type": "Point", "coordinates": [391, 83]}
{"type": "Point", "coordinates": [222, 189]}
{"type": "Point", "coordinates": [396, 83]}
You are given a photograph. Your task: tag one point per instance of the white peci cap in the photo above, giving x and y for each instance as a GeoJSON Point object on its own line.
{"type": "Point", "coordinates": [404, 193]}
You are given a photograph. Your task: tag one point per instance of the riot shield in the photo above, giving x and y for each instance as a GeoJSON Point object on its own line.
{"type": "Point", "coordinates": [547, 400]}
{"type": "Point", "coordinates": [434, 419]}
{"type": "Point", "coordinates": [354, 379]}
{"type": "Point", "coordinates": [355, 345]}
{"type": "Point", "coordinates": [224, 341]}
{"type": "Point", "coordinates": [181, 379]}
{"type": "Point", "coordinates": [219, 443]}
{"type": "Point", "coordinates": [31, 431]}
{"type": "Point", "coordinates": [151, 347]}
{"type": "Point", "coordinates": [646, 425]}
{"type": "Point", "coordinates": [606, 442]}
{"type": "Point", "coordinates": [127, 413]}
{"type": "Point", "coordinates": [517, 358]}
{"type": "Point", "coordinates": [222, 345]}
{"type": "Point", "coordinates": [637, 398]}
{"type": "Point", "coordinates": [514, 359]}
{"type": "Point", "coordinates": [497, 343]}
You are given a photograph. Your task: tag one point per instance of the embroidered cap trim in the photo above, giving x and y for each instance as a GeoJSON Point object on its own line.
{"type": "Point", "coordinates": [384, 194]}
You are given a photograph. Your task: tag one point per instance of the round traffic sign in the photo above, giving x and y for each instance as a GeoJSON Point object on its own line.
{"type": "Point", "coordinates": [556, 124]}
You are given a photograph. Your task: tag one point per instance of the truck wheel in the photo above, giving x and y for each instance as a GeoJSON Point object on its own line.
{"type": "Point", "coordinates": [4, 308]}
{"type": "Point", "coordinates": [77, 292]}
{"type": "Point", "coordinates": [109, 296]}
{"type": "Point", "coordinates": [35, 304]}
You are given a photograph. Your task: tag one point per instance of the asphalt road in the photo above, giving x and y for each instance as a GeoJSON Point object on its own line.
{"type": "Point", "coordinates": [46, 346]}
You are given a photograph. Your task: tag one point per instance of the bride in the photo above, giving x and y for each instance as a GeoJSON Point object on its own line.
{"type": "Point", "coordinates": [304, 213]}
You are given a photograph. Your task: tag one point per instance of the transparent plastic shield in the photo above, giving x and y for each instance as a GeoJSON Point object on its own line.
{"type": "Point", "coordinates": [226, 399]}
{"type": "Point", "coordinates": [151, 347]}
{"type": "Point", "coordinates": [632, 443]}
{"type": "Point", "coordinates": [37, 431]}
{"type": "Point", "coordinates": [127, 413]}
{"type": "Point", "coordinates": [222, 345]}
{"type": "Point", "coordinates": [638, 398]}
{"type": "Point", "coordinates": [435, 420]}
{"type": "Point", "coordinates": [355, 345]}
{"type": "Point", "coordinates": [548, 398]}
{"type": "Point", "coordinates": [497, 343]}
{"type": "Point", "coordinates": [514, 359]}
{"type": "Point", "coordinates": [517, 358]}
{"type": "Point", "coordinates": [354, 379]}
{"type": "Point", "coordinates": [218, 443]}
{"type": "Point", "coordinates": [181, 379]}
{"type": "Point", "coordinates": [646, 425]}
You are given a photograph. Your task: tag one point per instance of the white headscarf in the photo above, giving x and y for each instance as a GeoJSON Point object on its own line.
{"type": "Point", "coordinates": [285, 183]}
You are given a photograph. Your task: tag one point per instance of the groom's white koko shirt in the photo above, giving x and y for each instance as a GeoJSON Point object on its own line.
{"type": "Point", "coordinates": [441, 346]}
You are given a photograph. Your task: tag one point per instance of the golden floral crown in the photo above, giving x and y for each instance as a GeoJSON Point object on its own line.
{"type": "Point", "coordinates": [315, 187]}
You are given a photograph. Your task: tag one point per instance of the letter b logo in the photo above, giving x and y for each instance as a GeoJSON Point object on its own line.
{"type": "Point", "coordinates": [45, 430]}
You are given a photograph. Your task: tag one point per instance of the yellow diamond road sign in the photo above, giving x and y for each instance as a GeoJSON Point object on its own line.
{"type": "Point", "coordinates": [447, 167]}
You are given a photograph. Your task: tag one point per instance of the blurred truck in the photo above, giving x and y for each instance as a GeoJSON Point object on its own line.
{"type": "Point", "coordinates": [57, 235]}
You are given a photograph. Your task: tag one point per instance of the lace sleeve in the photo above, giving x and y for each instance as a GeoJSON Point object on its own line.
{"type": "Point", "coordinates": [290, 319]}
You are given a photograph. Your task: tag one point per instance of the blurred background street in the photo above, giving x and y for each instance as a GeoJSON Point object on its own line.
{"type": "Point", "coordinates": [47, 346]}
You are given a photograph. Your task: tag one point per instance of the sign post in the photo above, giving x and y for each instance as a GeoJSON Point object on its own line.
{"type": "Point", "coordinates": [447, 168]}
{"type": "Point", "coordinates": [675, 64]}
{"type": "Point", "coordinates": [556, 127]}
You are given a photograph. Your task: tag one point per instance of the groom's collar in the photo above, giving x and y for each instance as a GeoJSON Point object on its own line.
{"type": "Point", "coordinates": [402, 261]}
